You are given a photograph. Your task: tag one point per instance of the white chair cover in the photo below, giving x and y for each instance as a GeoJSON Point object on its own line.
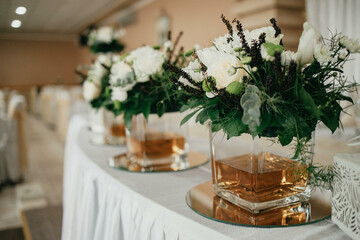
{"type": "Point", "coordinates": [2, 102]}
{"type": "Point", "coordinates": [48, 104]}
{"type": "Point", "coordinates": [33, 99]}
{"type": "Point", "coordinates": [16, 149]}
{"type": "Point", "coordinates": [63, 101]}
{"type": "Point", "coordinates": [3, 143]}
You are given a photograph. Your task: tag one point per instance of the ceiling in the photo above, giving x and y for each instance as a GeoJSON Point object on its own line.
{"type": "Point", "coordinates": [46, 18]}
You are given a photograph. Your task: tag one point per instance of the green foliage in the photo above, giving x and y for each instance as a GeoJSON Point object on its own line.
{"type": "Point", "coordinates": [101, 47]}
{"type": "Point", "coordinates": [159, 95]}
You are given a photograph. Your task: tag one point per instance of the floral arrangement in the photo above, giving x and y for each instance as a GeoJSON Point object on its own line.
{"type": "Point", "coordinates": [139, 83]}
{"type": "Point", "coordinates": [105, 39]}
{"type": "Point", "coordinates": [95, 86]}
{"type": "Point", "coordinates": [248, 83]}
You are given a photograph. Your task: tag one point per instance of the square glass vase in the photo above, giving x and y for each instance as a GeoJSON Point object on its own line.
{"type": "Point", "coordinates": [258, 174]}
{"type": "Point", "coordinates": [114, 128]}
{"type": "Point", "coordinates": [159, 142]}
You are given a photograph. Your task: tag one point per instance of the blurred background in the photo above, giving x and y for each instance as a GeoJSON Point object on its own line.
{"type": "Point", "coordinates": [40, 52]}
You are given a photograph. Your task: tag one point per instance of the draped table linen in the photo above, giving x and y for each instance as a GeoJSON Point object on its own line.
{"type": "Point", "coordinates": [104, 203]}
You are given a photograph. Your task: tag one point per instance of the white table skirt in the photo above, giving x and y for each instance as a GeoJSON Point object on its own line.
{"type": "Point", "coordinates": [104, 203]}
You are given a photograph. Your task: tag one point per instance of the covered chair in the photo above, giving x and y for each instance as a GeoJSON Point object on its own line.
{"type": "Point", "coordinates": [63, 104]}
{"type": "Point", "coordinates": [33, 99]}
{"type": "Point", "coordinates": [16, 147]}
{"type": "Point", "coordinates": [4, 136]}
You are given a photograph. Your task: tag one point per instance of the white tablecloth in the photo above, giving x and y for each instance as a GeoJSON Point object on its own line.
{"type": "Point", "coordinates": [104, 203]}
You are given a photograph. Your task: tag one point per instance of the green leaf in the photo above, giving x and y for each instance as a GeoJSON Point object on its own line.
{"type": "Point", "coordinates": [308, 103]}
{"type": "Point", "coordinates": [215, 127]}
{"type": "Point", "coordinates": [202, 117]}
{"type": "Point", "coordinates": [191, 104]}
{"type": "Point", "coordinates": [346, 98]}
{"type": "Point", "coordinates": [146, 107]}
{"type": "Point", "coordinates": [235, 127]}
{"type": "Point", "coordinates": [213, 114]}
{"type": "Point", "coordinates": [331, 116]}
{"type": "Point", "coordinates": [187, 117]}
{"type": "Point", "coordinates": [288, 131]}
{"type": "Point", "coordinates": [285, 139]}
{"type": "Point", "coordinates": [160, 108]}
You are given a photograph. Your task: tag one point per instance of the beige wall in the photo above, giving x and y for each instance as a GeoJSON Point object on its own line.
{"type": "Point", "coordinates": [199, 19]}
{"type": "Point", "coordinates": [26, 63]}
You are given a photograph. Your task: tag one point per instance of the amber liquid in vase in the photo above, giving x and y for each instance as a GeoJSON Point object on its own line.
{"type": "Point", "coordinates": [118, 130]}
{"type": "Point", "coordinates": [157, 145]}
{"type": "Point", "coordinates": [260, 178]}
{"type": "Point", "coordinates": [295, 214]}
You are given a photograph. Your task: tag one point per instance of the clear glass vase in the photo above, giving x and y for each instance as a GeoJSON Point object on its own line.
{"type": "Point", "coordinates": [114, 129]}
{"type": "Point", "coordinates": [159, 142]}
{"type": "Point", "coordinates": [96, 120]}
{"type": "Point", "coordinates": [258, 174]}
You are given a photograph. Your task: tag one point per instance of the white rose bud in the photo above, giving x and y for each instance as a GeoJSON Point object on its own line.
{"type": "Point", "coordinates": [118, 94]}
{"type": "Point", "coordinates": [308, 40]}
{"type": "Point", "coordinates": [91, 90]}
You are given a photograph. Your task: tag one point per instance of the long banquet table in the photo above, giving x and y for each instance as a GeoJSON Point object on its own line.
{"type": "Point", "coordinates": [104, 203]}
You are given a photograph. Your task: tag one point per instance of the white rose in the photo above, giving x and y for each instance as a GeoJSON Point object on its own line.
{"type": "Point", "coordinates": [322, 53]}
{"type": "Point", "coordinates": [225, 70]}
{"type": "Point", "coordinates": [208, 56]}
{"type": "Point", "coordinates": [96, 73]}
{"type": "Point", "coordinates": [193, 69]}
{"type": "Point", "coordinates": [146, 62]}
{"type": "Point", "coordinates": [105, 34]}
{"type": "Point", "coordinates": [118, 94]}
{"type": "Point", "coordinates": [105, 59]}
{"type": "Point", "coordinates": [91, 90]}
{"type": "Point", "coordinates": [309, 38]}
{"type": "Point", "coordinates": [352, 45]}
{"type": "Point", "coordinates": [122, 75]}
{"type": "Point", "coordinates": [287, 57]}
{"type": "Point", "coordinates": [269, 35]}
{"type": "Point", "coordinates": [222, 44]}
